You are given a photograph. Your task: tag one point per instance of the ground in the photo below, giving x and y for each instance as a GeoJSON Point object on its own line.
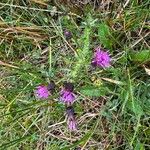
{"type": "Point", "coordinates": [112, 105]}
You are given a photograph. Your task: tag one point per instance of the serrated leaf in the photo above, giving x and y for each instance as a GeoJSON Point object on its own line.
{"type": "Point", "coordinates": [139, 146]}
{"type": "Point", "coordinates": [135, 107]}
{"type": "Point", "coordinates": [83, 54]}
{"type": "Point", "coordinates": [93, 91]}
{"type": "Point", "coordinates": [141, 56]}
{"type": "Point", "coordinates": [104, 35]}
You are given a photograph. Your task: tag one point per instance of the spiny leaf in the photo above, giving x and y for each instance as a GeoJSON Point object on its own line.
{"type": "Point", "coordinates": [94, 91]}
{"type": "Point", "coordinates": [139, 146]}
{"type": "Point", "coordinates": [141, 56]}
{"type": "Point", "coordinates": [135, 107]}
{"type": "Point", "coordinates": [104, 35]}
{"type": "Point", "coordinates": [133, 103]}
{"type": "Point", "coordinates": [83, 54]}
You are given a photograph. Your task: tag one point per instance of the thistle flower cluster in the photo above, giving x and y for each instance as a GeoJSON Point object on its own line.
{"type": "Point", "coordinates": [67, 97]}
{"type": "Point", "coordinates": [101, 59]}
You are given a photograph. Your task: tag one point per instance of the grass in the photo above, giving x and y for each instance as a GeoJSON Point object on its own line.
{"type": "Point", "coordinates": [113, 104]}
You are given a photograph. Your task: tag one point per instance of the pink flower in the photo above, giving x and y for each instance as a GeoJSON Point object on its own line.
{"type": "Point", "coordinates": [71, 118]}
{"type": "Point", "coordinates": [42, 92]}
{"type": "Point", "coordinates": [67, 34]}
{"type": "Point", "coordinates": [66, 94]}
{"type": "Point", "coordinates": [72, 124]}
{"type": "Point", "coordinates": [101, 58]}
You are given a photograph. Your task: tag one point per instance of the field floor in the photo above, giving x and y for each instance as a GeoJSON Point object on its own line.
{"type": "Point", "coordinates": [74, 75]}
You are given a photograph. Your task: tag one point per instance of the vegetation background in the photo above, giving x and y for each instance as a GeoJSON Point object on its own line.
{"type": "Point", "coordinates": [113, 105]}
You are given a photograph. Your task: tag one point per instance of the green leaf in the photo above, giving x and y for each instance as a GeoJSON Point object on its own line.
{"type": "Point", "coordinates": [83, 54]}
{"type": "Point", "coordinates": [104, 35]}
{"type": "Point", "coordinates": [139, 146]}
{"type": "Point", "coordinates": [141, 56]}
{"type": "Point", "coordinates": [137, 109]}
{"type": "Point", "coordinates": [135, 106]}
{"type": "Point", "coordinates": [94, 91]}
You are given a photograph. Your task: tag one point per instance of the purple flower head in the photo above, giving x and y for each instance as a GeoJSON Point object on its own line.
{"type": "Point", "coordinates": [67, 34]}
{"type": "Point", "coordinates": [66, 94]}
{"type": "Point", "coordinates": [72, 124]}
{"type": "Point", "coordinates": [101, 58]}
{"type": "Point", "coordinates": [42, 92]}
{"type": "Point", "coordinates": [71, 118]}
